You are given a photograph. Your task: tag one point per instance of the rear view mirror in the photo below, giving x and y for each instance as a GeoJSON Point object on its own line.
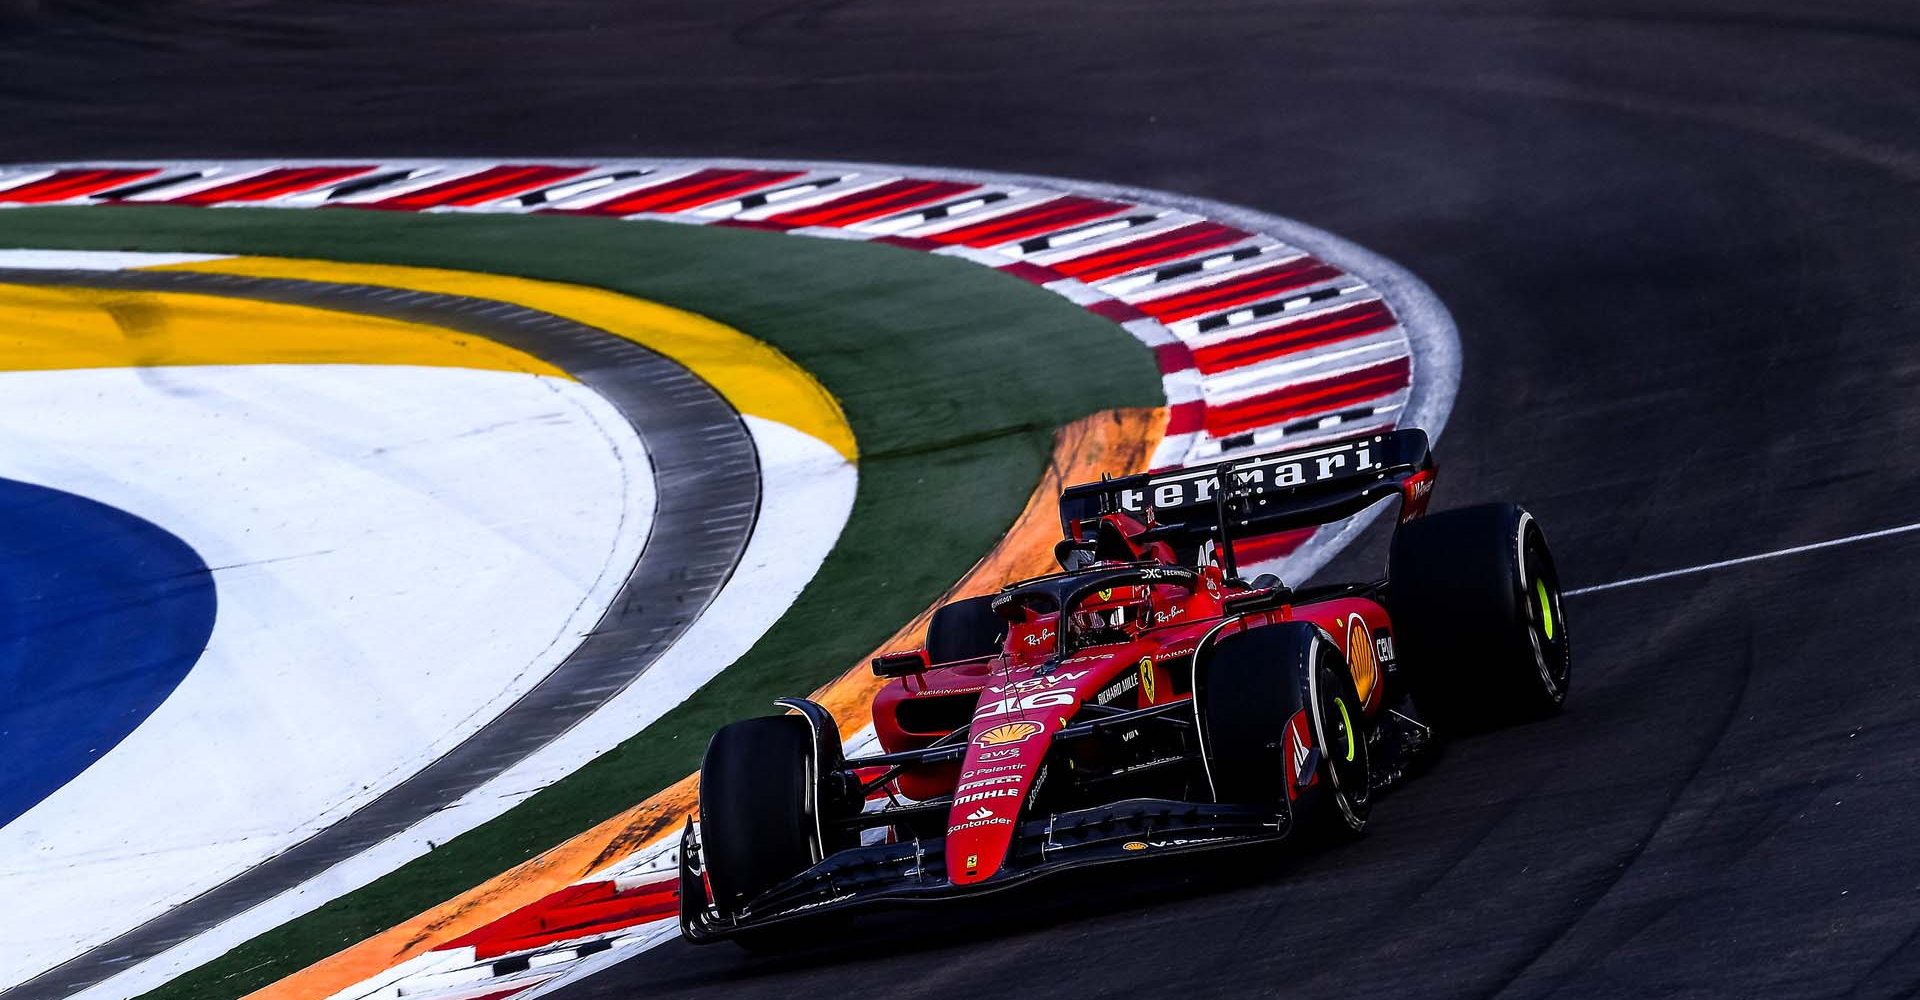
{"type": "Point", "coordinates": [912, 661]}
{"type": "Point", "coordinates": [1265, 599]}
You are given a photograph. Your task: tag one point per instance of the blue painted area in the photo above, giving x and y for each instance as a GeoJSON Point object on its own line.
{"type": "Point", "coordinates": [101, 616]}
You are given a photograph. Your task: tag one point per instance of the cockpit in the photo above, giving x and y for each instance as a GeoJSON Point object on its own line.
{"type": "Point", "coordinates": [1094, 608]}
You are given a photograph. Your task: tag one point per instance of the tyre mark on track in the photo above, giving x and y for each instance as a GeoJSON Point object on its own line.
{"type": "Point", "coordinates": [1598, 891]}
{"type": "Point", "coordinates": [1908, 946]}
{"type": "Point", "coordinates": [1827, 141]}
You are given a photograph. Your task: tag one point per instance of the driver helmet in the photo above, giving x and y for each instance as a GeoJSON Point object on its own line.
{"type": "Point", "coordinates": [1117, 619]}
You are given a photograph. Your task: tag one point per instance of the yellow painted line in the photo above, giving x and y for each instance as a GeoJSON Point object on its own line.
{"type": "Point", "coordinates": [753, 376]}
{"type": "Point", "coordinates": [1117, 441]}
{"type": "Point", "coordinates": [50, 328]}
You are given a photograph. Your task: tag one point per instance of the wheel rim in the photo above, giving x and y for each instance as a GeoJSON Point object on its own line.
{"type": "Point", "coordinates": [1546, 623]}
{"type": "Point", "coordinates": [1346, 728]}
{"type": "Point", "coordinates": [1343, 744]}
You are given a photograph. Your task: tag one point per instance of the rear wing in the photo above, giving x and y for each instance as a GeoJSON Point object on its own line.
{"type": "Point", "coordinates": [1262, 494]}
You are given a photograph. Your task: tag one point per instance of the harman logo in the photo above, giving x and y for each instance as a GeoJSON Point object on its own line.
{"type": "Point", "coordinates": [1278, 472]}
{"type": "Point", "coordinates": [1011, 732]}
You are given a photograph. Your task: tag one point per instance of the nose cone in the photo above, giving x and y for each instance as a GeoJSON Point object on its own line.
{"type": "Point", "coordinates": [1013, 729]}
{"type": "Point", "coordinates": [999, 770]}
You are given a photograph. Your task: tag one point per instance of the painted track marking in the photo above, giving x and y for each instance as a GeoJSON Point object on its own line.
{"type": "Point", "coordinates": [1258, 281]}
{"type": "Point", "coordinates": [727, 469]}
{"type": "Point", "coordinates": [1634, 581]}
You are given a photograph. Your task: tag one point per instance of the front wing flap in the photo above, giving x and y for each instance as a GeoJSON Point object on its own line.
{"type": "Point", "coordinates": [915, 871]}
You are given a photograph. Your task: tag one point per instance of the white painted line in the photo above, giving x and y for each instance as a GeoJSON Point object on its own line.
{"type": "Point", "coordinates": [1743, 560]}
{"type": "Point", "coordinates": [11, 181]}
{"type": "Point", "coordinates": [97, 260]}
{"type": "Point", "coordinates": [985, 258]}
{"type": "Point", "coordinates": [851, 183]}
{"type": "Point", "coordinates": [1076, 293]}
{"type": "Point", "coordinates": [1148, 331]}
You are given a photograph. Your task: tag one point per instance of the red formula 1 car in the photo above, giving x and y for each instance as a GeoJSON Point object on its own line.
{"type": "Point", "coordinates": [1144, 701]}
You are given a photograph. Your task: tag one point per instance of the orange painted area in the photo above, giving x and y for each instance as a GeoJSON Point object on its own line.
{"type": "Point", "coordinates": [1116, 441]}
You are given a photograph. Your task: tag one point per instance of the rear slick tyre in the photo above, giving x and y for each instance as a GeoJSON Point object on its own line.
{"type": "Point", "coordinates": [1475, 600]}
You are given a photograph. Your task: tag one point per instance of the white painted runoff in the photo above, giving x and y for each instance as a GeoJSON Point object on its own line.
{"type": "Point", "coordinates": [398, 552]}
{"type": "Point", "coordinates": [807, 495]}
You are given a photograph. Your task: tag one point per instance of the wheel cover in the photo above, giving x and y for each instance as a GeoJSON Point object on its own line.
{"type": "Point", "coordinates": [1546, 608]}
{"type": "Point", "coordinates": [1346, 726]}
{"type": "Point", "coordinates": [1349, 771]}
{"type": "Point", "coordinates": [1546, 623]}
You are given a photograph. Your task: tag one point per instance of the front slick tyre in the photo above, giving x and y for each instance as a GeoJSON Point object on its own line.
{"type": "Point", "coordinates": [757, 826]}
{"type": "Point", "coordinates": [1269, 699]}
{"type": "Point", "coordinates": [1477, 620]}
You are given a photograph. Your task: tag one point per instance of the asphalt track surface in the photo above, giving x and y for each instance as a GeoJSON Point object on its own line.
{"type": "Point", "coordinates": [1682, 244]}
{"type": "Point", "coordinates": [707, 476]}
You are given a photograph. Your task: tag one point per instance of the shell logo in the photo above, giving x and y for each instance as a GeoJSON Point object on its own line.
{"type": "Point", "coordinates": [1360, 656]}
{"type": "Point", "coordinates": [1011, 732]}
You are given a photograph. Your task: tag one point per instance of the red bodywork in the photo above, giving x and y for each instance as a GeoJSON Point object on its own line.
{"type": "Point", "coordinates": [1013, 704]}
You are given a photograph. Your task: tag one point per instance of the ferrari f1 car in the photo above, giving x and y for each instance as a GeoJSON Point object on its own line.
{"type": "Point", "coordinates": [1147, 700]}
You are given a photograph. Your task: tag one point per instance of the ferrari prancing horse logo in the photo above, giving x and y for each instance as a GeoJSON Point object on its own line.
{"type": "Point", "coordinates": [1146, 678]}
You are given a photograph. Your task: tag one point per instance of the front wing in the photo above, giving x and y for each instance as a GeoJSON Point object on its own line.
{"type": "Point", "coordinates": [914, 871]}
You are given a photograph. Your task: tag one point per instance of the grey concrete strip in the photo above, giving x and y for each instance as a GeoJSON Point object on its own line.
{"type": "Point", "coordinates": [703, 460]}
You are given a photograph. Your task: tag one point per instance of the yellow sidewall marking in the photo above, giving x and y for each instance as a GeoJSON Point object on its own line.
{"type": "Point", "coordinates": [52, 328]}
{"type": "Point", "coordinates": [1546, 608]}
{"type": "Point", "coordinates": [753, 376]}
{"type": "Point", "coordinates": [1346, 723]}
